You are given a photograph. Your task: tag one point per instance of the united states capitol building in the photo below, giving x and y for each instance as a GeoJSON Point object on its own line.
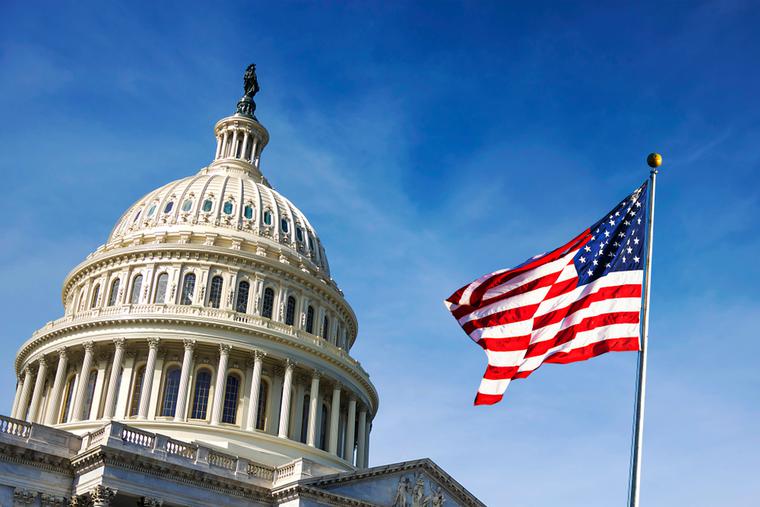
{"type": "Point", "coordinates": [204, 358]}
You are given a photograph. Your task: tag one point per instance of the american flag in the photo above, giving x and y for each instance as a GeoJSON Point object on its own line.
{"type": "Point", "coordinates": [573, 303]}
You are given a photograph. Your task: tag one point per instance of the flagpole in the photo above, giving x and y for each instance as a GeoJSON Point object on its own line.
{"type": "Point", "coordinates": [653, 160]}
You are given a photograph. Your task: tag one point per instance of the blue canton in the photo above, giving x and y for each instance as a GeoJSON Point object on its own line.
{"type": "Point", "coordinates": [617, 241]}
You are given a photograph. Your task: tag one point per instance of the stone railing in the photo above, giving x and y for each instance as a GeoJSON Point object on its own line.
{"type": "Point", "coordinates": [228, 316]}
{"type": "Point", "coordinates": [118, 435]}
{"type": "Point", "coordinates": [14, 427]}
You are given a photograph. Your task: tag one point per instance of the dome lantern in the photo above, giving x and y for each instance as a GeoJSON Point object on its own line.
{"type": "Point", "coordinates": [240, 138]}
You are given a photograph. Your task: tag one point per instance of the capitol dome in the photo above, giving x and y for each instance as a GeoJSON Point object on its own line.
{"type": "Point", "coordinates": [209, 316]}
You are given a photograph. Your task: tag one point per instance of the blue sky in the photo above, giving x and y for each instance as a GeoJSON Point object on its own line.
{"type": "Point", "coordinates": [428, 144]}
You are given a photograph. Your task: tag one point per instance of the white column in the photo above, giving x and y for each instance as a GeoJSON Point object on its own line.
{"type": "Point", "coordinates": [311, 435]}
{"type": "Point", "coordinates": [147, 385]}
{"type": "Point", "coordinates": [348, 452]}
{"type": "Point", "coordinates": [253, 398]}
{"type": "Point", "coordinates": [361, 438]}
{"type": "Point", "coordinates": [221, 376]}
{"type": "Point", "coordinates": [113, 380]}
{"type": "Point", "coordinates": [246, 140]}
{"type": "Point", "coordinates": [287, 387]}
{"type": "Point", "coordinates": [55, 392]}
{"type": "Point", "coordinates": [218, 147]}
{"type": "Point", "coordinates": [184, 381]}
{"type": "Point", "coordinates": [332, 444]}
{"type": "Point", "coordinates": [26, 390]}
{"type": "Point", "coordinates": [84, 375]}
{"type": "Point", "coordinates": [366, 445]}
{"type": "Point", "coordinates": [225, 138]}
{"type": "Point", "coordinates": [233, 151]}
{"type": "Point", "coordinates": [39, 384]}
{"type": "Point", "coordinates": [19, 387]}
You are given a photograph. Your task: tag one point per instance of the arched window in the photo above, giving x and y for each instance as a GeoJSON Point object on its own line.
{"type": "Point", "coordinates": [200, 397]}
{"type": "Point", "coordinates": [299, 234]}
{"type": "Point", "coordinates": [151, 210]}
{"type": "Point", "coordinates": [268, 306]}
{"type": "Point", "coordinates": [310, 319]}
{"type": "Point", "coordinates": [208, 204]}
{"type": "Point", "coordinates": [82, 298]}
{"type": "Point", "coordinates": [95, 294]}
{"type": "Point", "coordinates": [134, 298]}
{"type": "Point", "coordinates": [187, 205]}
{"type": "Point", "coordinates": [229, 410]}
{"type": "Point", "coordinates": [163, 281]}
{"type": "Point", "coordinates": [228, 207]}
{"type": "Point", "coordinates": [188, 288]}
{"type": "Point", "coordinates": [305, 418]}
{"type": "Point", "coordinates": [114, 292]}
{"type": "Point", "coordinates": [89, 394]}
{"type": "Point", "coordinates": [171, 388]}
{"type": "Point", "coordinates": [134, 405]}
{"type": "Point", "coordinates": [241, 305]}
{"type": "Point", "coordinates": [215, 294]}
{"type": "Point", "coordinates": [248, 211]}
{"type": "Point", "coordinates": [290, 311]}
{"type": "Point", "coordinates": [323, 428]}
{"type": "Point", "coordinates": [261, 418]}
{"type": "Point", "coordinates": [325, 327]}
{"type": "Point", "coordinates": [68, 399]}
{"type": "Point", "coordinates": [168, 207]}
{"type": "Point", "coordinates": [267, 217]}
{"type": "Point", "coordinates": [285, 225]}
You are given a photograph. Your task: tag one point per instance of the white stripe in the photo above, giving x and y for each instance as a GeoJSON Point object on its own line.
{"type": "Point", "coordinates": [522, 328]}
{"type": "Point", "coordinates": [533, 297]}
{"type": "Point", "coordinates": [465, 299]}
{"type": "Point", "coordinates": [528, 276]}
{"type": "Point", "coordinates": [597, 308]}
{"type": "Point", "coordinates": [582, 339]}
{"type": "Point", "coordinates": [507, 358]}
{"type": "Point", "coordinates": [488, 386]}
{"type": "Point", "coordinates": [611, 279]}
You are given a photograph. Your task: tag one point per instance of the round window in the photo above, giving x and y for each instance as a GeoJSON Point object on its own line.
{"type": "Point", "coordinates": [248, 212]}
{"type": "Point", "coordinates": [207, 205]}
{"type": "Point", "coordinates": [227, 208]}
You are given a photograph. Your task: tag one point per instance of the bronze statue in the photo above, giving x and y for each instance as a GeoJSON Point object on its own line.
{"type": "Point", "coordinates": [250, 81]}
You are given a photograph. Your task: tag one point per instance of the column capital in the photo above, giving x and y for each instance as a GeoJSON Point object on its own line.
{"type": "Point", "coordinates": [258, 355]}
{"type": "Point", "coordinates": [153, 342]}
{"type": "Point", "coordinates": [290, 364]}
{"type": "Point", "coordinates": [224, 349]}
{"type": "Point", "coordinates": [42, 361]}
{"type": "Point", "coordinates": [189, 344]}
{"type": "Point", "coordinates": [89, 346]}
{"type": "Point", "coordinates": [150, 502]}
{"type": "Point", "coordinates": [119, 342]}
{"type": "Point", "coordinates": [28, 369]}
{"type": "Point", "coordinates": [102, 495]}
{"type": "Point", "coordinates": [316, 374]}
{"type": "Point", "coordinates": [62, 352]}
{"type": "Point", "coordinates": [337, 386]}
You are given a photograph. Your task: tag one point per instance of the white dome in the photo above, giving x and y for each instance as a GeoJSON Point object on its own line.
{"type": "Point", "coordinates": [225, 200]}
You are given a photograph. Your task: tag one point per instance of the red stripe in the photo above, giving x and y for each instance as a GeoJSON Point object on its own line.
{"type": "Point", "coordinates": [544, 281]}
{"type": "Point", "coordinates": [562, 287]}
{"type": "Point", "coordinates": [496, 280]}
{"type": "Point", "coordinates": [505, 317]}
{"type": "Point", "coordinates": [500, 372]}
{"type": "Point", "coordinates": [487, 399]}
{"type": "Point", "coordinates": [505, 344]}
{"type": "Point", "coordinates": [630, 344]}
{"type": "Point", "coordinates": [587, 324]}
{"type": "Point", "coordinates": [617, 291]}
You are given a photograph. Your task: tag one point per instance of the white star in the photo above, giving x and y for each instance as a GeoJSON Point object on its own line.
{"type": "Point", "coordinates": [612, 223]}
{"type": "Point", "coordinates": [595, 262]}
{"type": "Point", "coordinates": [632, 213]}
{"type": "Point", "coordinates": [638, 204]}
{"type": "Point", "coordinates": [635, 259]}
{"type": "Point", "coordinates": [623, 258]}
{"type": "Point", "coordinates": [606, 234]}
{"type": "Point", "coordinates": [582, 259]}
{"type": "Point", "coordinates": [627, 222]}
{"type": "Point", "coordinates": [587, 248]}
{"type": "Point", "coordinates": [617, 213]}
{"type": "Point", "coordinates": [590, 272]}
{"type": "Point", "coordinates": [635, 241]}
{"type": "Point", "coordinates": [608, 264]}
{"type": "Point", "coordinates": [629, 250]}
{"type": "Point", "coordinates": [622, 234]}
{"type": "Point", "coordinates": [638, 221]}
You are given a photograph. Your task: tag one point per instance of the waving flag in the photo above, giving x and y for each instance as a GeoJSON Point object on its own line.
{"type": "Point", "coordinates": [578, 301]}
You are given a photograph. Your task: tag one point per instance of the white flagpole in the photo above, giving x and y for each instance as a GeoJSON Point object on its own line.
{"type": "Point", "coordinates": [654, 160]}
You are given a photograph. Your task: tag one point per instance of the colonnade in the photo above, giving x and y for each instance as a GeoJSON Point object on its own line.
{"type": "Point", "coordinates": [103, 380]}
{"type": "Point", "coordinates": [240, 143]}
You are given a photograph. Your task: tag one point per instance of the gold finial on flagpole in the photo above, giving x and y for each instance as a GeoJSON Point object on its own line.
{"type": "Point", "coordinates": [654, 160]}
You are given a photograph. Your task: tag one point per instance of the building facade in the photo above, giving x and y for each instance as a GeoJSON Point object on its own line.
{"type": "Point", "coordinates": [204, 357]}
